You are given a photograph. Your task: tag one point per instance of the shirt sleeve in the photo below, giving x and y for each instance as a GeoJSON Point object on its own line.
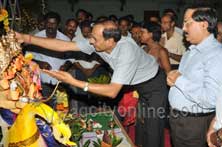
{"type": "Point", "coordinates": [203, 93]}
{"type": "Point", "coordinates": [85, 47]}
{"type": "Point", "coordinates": [126, 65]}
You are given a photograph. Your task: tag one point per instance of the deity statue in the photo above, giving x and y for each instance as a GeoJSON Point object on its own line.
{"type": "Point", "coordinates": [20, 82]}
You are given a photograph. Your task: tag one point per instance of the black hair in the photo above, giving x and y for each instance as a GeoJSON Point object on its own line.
{"type": "Point", "coordinates": [85, 23]}
{"type": "Point", "coordinates": [89, 14]}
{"type": "Point", "coordinates": [71, 19]}
{"type": "Point", "coordinates": [124, 19]}
{"type": "Point", "coordinates": [165, 11]}
{"type": "Point", "coordinates": [168, 10]}
{"type": "Point", "coordinates": [102, 19]}
{"type": "Point", "coordinates": [136, 24]}
{"type": "Point", "coordinates": [204, 13]}
{"type": "Point", "coordinates": [52, 14]}
{"type": "Point", "coordinates": [83, 11]}
{"type": "Point", "coordinates": [113, 17]}
{"type": "Point", "coordinates": [130, 17]}
{"type": "Point", "coordinates": [172, 18]}
{"type": "Point", "coordinates": [112, 33]}
{"type": "Point", "coordinates": [154, 28]}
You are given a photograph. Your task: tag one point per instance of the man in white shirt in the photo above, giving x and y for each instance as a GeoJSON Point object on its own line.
{"type": "Point", "coordinates": [81, 15]}
{"type": "Point", "coordinates": [172, 40]}
{"type": "Point", "coordinates": [124, 26]}
{"type": "Point", "coordinates": [70, 28]}
{"type": "Point", "coordinates": [40, 24]}
{"type": "Point", "coordinates": [48, 59]}
{"type": "Point", "coordinates": [196, 85]}
{"type": "Point", "coordinates": [172, 13]}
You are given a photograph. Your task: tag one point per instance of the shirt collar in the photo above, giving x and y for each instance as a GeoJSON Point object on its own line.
{"type": "Point", "coordinates": [174, 35]}
{"type": "Point", "coordinates": [204, 45]}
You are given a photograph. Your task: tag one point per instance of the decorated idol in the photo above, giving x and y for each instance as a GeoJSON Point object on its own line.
{"type": "Point", "coordinates": [20, 82]}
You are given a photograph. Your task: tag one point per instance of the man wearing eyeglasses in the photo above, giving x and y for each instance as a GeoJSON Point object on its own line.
{"type": "Point", "coordinates": [195, 85]}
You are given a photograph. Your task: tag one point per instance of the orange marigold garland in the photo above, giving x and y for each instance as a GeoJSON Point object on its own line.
{"type": "Point", "coordinates": [4, 18]}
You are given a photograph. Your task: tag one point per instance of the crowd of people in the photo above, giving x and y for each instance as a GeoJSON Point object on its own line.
{"type": "Point", "coordinates": [176, 80]}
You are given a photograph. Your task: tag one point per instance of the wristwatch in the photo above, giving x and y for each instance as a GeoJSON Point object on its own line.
{"type": "Point", "coordinates": [86, 87]}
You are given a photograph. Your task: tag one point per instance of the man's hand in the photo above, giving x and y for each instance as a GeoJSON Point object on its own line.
{"type": "Point", "coordinates": [210, 131]}
{"type": "Point", "coordinates": [19, 37]}
{"type": "Point", "coordinates": [60, 75]}
{"type": "Point", "coordinates": [172, 77]}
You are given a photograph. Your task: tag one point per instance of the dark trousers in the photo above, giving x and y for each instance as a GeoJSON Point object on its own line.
{"type": "Point", "coordinates": [151, 111]}
{"type": "Point", "coordinates": [189, 131]}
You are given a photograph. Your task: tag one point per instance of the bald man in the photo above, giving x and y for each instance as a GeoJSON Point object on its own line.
{"type": "Point", "coordinates": [131, 66]}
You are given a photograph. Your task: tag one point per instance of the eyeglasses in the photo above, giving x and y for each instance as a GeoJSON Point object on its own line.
{"type": "Point", "coordinates": [187, 23]}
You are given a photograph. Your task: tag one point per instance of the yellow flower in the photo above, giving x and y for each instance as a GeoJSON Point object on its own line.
{"type": "Point", "coordinates": [4, 18]}
{"type": "Point", "coordinates": [3, 14]}
{"type": "Point", "coordinates": [6, 22]}
{"type": "Point", "coordinates": [6, 28]}
{"type": "Point", "coordinates": [1, 18]}
{"type": "Point", "coordinates": [28, 57]}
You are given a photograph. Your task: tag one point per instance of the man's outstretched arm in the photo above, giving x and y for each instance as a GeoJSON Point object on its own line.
{"type": "Point", "coordinates": [51, 44]}
{"type": "Point", "coordinates": [109, 90]}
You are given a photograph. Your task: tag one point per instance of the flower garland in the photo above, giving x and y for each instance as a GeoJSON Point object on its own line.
{"type": "Point", "coordinates": [4, 18]}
